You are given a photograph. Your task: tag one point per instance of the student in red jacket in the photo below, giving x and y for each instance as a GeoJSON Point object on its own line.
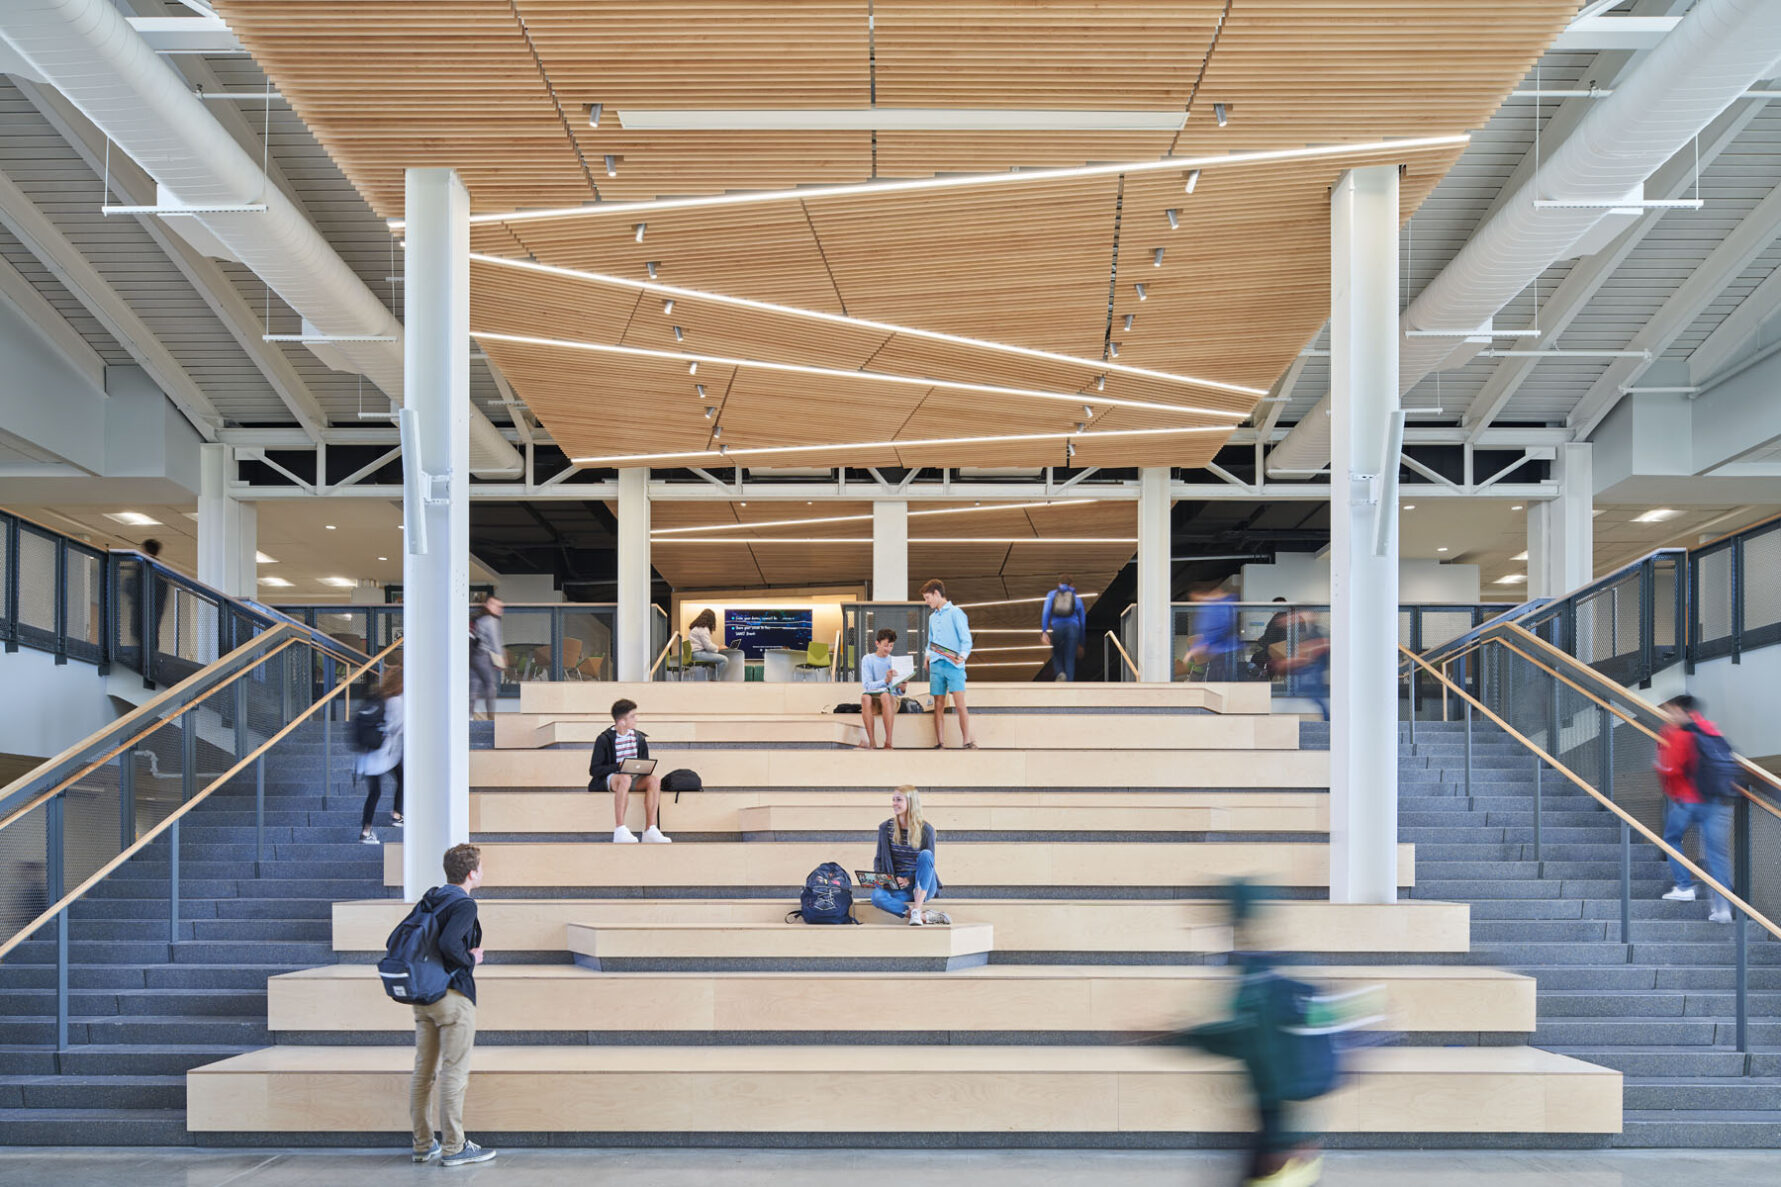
{"type": "Point", "coordinates": [1678, 764]}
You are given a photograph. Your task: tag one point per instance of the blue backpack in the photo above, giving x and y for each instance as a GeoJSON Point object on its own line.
{"type": "Point", "coordinates": [827, 895]}
{"type": "Point", "coordinates": [1716, 770]}
{"type": "Point", "coordinates": [411, 969]}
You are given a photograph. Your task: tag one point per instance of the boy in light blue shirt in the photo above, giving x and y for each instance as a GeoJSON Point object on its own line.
{"type": "Point", "coordinates": [883, 688]}
{"type": "Point", "coordinates": [949, 646]}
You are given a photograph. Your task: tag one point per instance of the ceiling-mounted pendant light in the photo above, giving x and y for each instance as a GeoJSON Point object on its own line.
{"type": "Point", "coordinates": [1193, 175]}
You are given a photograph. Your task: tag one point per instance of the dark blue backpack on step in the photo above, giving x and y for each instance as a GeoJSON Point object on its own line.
{"type": "Point", "coordinates": [411, 970]}
{"type": "Point", "coordinates": [827, 895]}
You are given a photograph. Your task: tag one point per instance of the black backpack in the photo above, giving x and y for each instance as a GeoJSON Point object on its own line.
{"type": "Point", "coordinates": [1063, 604]}
{"type": "Point", "coordinates": [682, 780]}
{"type": "Point", "coordinates": [411, 970]}
{"type": "Point", "coordinates": [1716, 770]}
{"type": "Point", "coordinates": [366, 731]}
{"type": "Point", "coordinates": [827, 896]}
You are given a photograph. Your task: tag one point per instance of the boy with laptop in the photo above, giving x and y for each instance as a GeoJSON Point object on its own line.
{"type": "Point", "coordinates": [883, 687]}
{"type": "Point", "coordinates": [621, 761]}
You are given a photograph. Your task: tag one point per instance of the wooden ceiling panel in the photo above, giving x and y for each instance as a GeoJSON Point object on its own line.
{"type": "Point", "coordinates": [764, 410]}
{"type": "Point", "coordinates": [1047, 560]}
{"type": "Point", "coordinates": [813, 564]}
{"type": "Point", "coordinates": [599, 406]}
{"type": "Point", "coordinates": [700, 566]}
{"type": "Point", "coordinates": [932, 154]}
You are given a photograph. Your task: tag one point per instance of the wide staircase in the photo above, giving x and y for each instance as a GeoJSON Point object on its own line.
{"type": "Point", "coordinates": [1660, 1008]}
{"type": "Point", "coordinates": [654, 994]}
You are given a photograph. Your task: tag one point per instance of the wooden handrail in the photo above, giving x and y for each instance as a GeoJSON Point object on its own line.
{"type": "Point", "coordinates": [173, 817]}
{"type": "Point", "coordinates": [1626, 817]}
{"type": "Point", "coordinates": [672, 640]}
{"type": "Point", "coordinates": [1132, 667]}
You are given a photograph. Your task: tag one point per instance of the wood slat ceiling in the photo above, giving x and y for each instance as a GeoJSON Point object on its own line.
{"type": "Point", "coordinates": [500, 90]}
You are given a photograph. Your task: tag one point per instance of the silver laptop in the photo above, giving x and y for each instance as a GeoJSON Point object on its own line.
{"type": "Point", "coordinates": [637, 766]}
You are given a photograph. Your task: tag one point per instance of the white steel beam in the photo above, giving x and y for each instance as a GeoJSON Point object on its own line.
{"type": "Point", "coordinates": [42, 239]}
{"type": "Point", "coordinates": [1613, 33]}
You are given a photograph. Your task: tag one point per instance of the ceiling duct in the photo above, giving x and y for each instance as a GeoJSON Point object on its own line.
{"type": "Point", "coordinates": [1717, 52]}
{"type": "Point", "coordinates": [87, 50]}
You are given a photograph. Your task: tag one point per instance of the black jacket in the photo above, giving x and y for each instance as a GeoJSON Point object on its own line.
{"type": "Point", "coordinates": [459, 932]}
{"type": "Point", "coordinates": [605, 760]}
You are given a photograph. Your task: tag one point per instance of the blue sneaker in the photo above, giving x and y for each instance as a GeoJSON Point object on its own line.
{"type": "Point", "coordinates": [470, 1153]}
{"type": "Point", "coordinates": [433, 1152]}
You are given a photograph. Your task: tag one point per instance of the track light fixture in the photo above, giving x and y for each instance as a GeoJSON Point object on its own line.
{"type": "Point", "coordinates": [716, 432]}
{"type": "Point", "coordinates": [710, 411]}
{"type": "Point", "coordinates": [1100, 383]}
{"type": "Point", "coordinates": [1220, 114]}
{"type": "Point", "coordinates": [667, 306]}
{"type": "Point", "coordinates": [692, 368]}
{"type": "Point", "coordinates": [593, 114]}
{"type": "Point", "coordinates": [1112, 350]}
{"type": "Point", "coordinates": [1156, 261]}
{"type": "Point", "coordinates": [611, 165]}
{"type": "Point", "coordinates": [1174, 220]}
{"type": "Point", "coordinates": [641, 227]}
{"type": "Point", "coordinates": [699, 390]}
{"type": "Point", "coordinates": [1142, 296]}
{"type": "Point", "coordinates": [1069, 451]}
{"type": "Point", "coordinates": [652, 269]}
{"type": "Point", "coordinates": [1088, 410]}
{"type": "Point", "coordinates": [678, 335]}
{"type": "Point", "coordinates": [1128, 323]}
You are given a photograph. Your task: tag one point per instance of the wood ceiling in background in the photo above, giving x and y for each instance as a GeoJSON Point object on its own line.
{"type": "Point", "coordinates": [500, 91]}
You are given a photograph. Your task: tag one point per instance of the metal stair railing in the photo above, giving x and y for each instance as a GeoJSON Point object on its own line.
{"type": "Point", "coordinates": [1602, 738]}
{"type": "Point", "coordinates": [76, 819]}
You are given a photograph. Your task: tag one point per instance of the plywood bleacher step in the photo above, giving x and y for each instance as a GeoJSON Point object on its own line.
{"type": "Point", "coordinates": [1045, 867]}
{"type": "Point", "coordinates": [707, 813]}
{"type": "Point", "coordinates": [1047, 1004]}
{"type": "Point", "coordinates": [1064, 929]}
{"type": "Point", "coordinates": [617, 947]}
{"type": "Point", "coordinates": [593, 699]}
{"type": "Point", "coordinates": [1009, 1089]}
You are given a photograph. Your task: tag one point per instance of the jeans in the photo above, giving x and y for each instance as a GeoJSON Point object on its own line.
{"type": "Point", "coordinates": [896, 902]}
{"type": "Point", "coordinates": [485, 680]}
{"type": "Point", "coordinates": [1714, 819]}
{"type": "Point", "coordinates": [374, 792]}
{"type": "Point", "coordinates": [717, 661]}
{"type": "Point", "coordinates": [1066, 637]}
{"type": "Point", "coordinates": [444, 1033]}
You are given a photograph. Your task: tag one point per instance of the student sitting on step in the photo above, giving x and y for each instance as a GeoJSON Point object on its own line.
{"type": "Point", "coordinates": [882, 687]}
{"type": "Point", "coordinates": [906, 850]}
{"type": "Point", "coordinates": [605, 773]}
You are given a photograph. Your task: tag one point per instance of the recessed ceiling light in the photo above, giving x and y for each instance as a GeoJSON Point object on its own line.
{"type": "Point", "coordinates": [329, 526]}
{"type": "Point", "coordinates": [383, 558]}
{"type": "Point", "coordinates": [1443, 548]}
{"type": "Point", "coordinates": [1409, 506]}
{"type": "Point", "coordinates": [1517, 507]}
{"type": "Point", "coordinates": [261, 558]}
{"type": "Point", "coordinates": [339, 582]}
{"type": "Point", "coordinates": [1656, 515]}
{"type": "Point", "coordinates": [278, 582]}
{"type": "Point", "coordinates": [1520, 556]}
{"type": "Point", "coordinates": [1513, 579]}
{"type": "Point", "coordinates": [134, 519]}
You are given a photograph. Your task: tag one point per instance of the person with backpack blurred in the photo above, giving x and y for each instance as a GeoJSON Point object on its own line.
{"type": "Point", "coordinates": [906, 851]}
{"type": "Point", "coordinates": [1061, 627]}
{"type": "Point", "coordinates": [377, 736]}
{"type": "Point", "coordinates": [445, 1027]}
{"type": "Point", "coordinates": [1699, 773]}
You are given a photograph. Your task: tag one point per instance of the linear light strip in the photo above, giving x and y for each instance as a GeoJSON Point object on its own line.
{"type": "Point", "coordinates": [875, 189]}
{"type": "Point", "coordinates": [658, 533]}
{"type": "Point", "coordinates": [1075, 398]}
{"type": "Point", "coordinates": [913, 541]}
{"type": "Point", "coordinates": [855, 446]}
{"type": "Point", "coordinates": [896, 119]}
{"type": "Point", "coordinates": [1098, 366]}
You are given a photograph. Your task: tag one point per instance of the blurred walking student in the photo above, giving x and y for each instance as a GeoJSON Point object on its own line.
{"type": "Point", "coordinates": [1699, 773]}
{"type": "Point", "coordinates": [1061, 626]}
{"type": "Point", "coordinates": [705, 648]}
{"type": "Point", "coordinates": [882, 688]}
{"type": "Point", "coordinates": [605, 772]}
{"type": "Point", "coordinates": [487, 655]}
{"type": "Point", "coordinates": [445, 1030]}
{"type": "Point", "coordinates": [906, 851]}
{"type": "Point", "coordinates": [1215, 643]}
{"type": "Point", "coordinates": [377, 735]}
{"type": "Point", "coordinates": [144, 581]}
{"type": "Point", "coordinates": [949, 646]}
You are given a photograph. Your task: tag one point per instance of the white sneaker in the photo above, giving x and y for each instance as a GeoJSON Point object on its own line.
{"type": "Point", "coordinates": [1720, 914]}
{"type": "Point", "coordinates": [940, 917]}
{"type": "Point", "coordinates": [915, 918]}
{"type": "Point", "coordinates": [623, 836]}
{"type": "Point", "coordinates": [653, 836]}
{"type": "Point", "coordinates": [1681, 894]}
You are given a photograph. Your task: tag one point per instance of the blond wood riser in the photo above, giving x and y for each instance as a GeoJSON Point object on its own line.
{"type": "Point", "coordinates": [594, 699]}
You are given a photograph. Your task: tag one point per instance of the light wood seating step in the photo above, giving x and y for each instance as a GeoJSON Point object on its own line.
{"type": "Point", "coordinates": [593, 699]}
{"type": "Point", "coordinates": [876, 942]}
{"type": "Point", "coordinates": [1138, 865]}
{"type": "Point", "coordinates": [517, 812]}
{"type": "Point", "coordinates": [848, 768]}
{"type": "Point", "coordinates": [1148, 926]}
{"type": "Point", "coordinates": [1008, 1089]}
{"type": "Point", "coordinates": [1076, 1000]}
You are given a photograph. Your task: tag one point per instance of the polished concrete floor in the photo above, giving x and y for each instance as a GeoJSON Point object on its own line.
{"type": "Point", "coordinates": [761, 1168]}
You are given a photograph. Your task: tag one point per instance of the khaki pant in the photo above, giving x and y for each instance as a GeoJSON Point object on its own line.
{"type": "Point", "coordinates": [444, 1033]}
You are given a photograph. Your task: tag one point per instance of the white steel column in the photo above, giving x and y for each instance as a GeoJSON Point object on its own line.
{"type": "Point", "coordinates": [632, 644]}
{"type": "Point", "coordinates": [1363, 586]}
{"type": "Point", "coordinates": [890, 551]}
{"type": "Point", "coordinates": [228, 529]}
{"type": "Point", "coordinates": [1561, 531]}
{"type": "Point", "coordinates": [436, 586]}
{"type": "Point", "coordinates": [1155, 585]}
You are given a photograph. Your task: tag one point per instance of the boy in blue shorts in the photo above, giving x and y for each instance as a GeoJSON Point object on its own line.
{"type": "Point", "coordinates": [883, 687]}
{"type": "Point", "coordinates": [949, 646]}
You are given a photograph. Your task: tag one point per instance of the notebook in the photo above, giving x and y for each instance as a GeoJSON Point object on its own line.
{"type": "Point", "coordinates": [871, 879]}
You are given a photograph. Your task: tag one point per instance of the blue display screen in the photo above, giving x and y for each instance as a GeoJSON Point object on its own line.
{"type": "Point", "coordinates": [756, 630]}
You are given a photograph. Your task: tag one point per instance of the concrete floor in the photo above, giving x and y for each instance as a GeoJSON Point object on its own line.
{"type": "Point", "coordinates": [27, 1167]}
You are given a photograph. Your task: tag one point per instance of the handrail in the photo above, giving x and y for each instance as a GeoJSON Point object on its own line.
{"type": "Point", "coordinates": [173, 817]}
{"type": "Point", "coordinates": [149, 709]}
{"type": "Point", "coordinates": [672, 640]}
{"type": "Point", "coordinates": [1626, 817]}
{"type": "Point", "coordinates": [1130, 666]}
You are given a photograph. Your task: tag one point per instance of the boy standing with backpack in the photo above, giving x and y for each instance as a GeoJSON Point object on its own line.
{"type": "Point", "coordinates": [1699, 775]}
{"type": "Point", "coordinates": [445, 1028]}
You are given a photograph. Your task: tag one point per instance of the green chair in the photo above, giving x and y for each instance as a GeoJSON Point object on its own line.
{"type": "Point", "coordinates": [816, 659]}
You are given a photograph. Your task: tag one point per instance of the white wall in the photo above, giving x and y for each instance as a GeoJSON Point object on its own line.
{"type": "Point", "coordinates": [52, 707]}
{"type": "Point", "coordinates": [1738, 697]}
{"type": "Point", "coordinates": [1305, 577]}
